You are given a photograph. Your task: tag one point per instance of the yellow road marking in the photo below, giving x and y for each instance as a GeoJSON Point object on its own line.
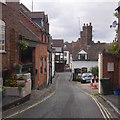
{"type": "Point", "coordinates": [103, 110]}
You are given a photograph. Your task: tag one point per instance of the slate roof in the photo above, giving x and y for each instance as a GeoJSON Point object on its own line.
{"type": "Point", "coordinates": [92, 50]}
{"type": "Point", "coordinates": [57, 43]}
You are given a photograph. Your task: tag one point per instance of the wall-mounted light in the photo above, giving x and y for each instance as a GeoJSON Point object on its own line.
{"type": "Point", "coordinates": [114, 24]}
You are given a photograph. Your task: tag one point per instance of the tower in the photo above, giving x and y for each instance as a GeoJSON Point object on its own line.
{"type": "Point", "coordinates": [86, 34]}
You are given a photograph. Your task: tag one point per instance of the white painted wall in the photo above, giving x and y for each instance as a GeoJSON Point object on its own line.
{"type": "Point", "coordinates": [67, 57]}
{"type": "Point", "coordinates": [100, 75]}
{"type": "Point", "coordinates": [70, 61]}
{"type": "Point", "coordinates": [87, 64]}
{"type": "Point", "coordinates": [53, 64]}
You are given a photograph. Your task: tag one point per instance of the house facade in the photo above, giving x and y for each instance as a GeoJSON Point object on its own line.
{"type": "Point", "coordinates": [21, 24]}
{"type": "Point", "coordinates": [57, 45]}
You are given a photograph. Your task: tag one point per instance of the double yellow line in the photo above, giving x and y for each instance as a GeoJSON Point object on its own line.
{"type": "Point", "coordinates": [104, 111]}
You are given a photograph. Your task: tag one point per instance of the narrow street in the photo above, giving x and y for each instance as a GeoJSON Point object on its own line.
{"type": "Point", "coordinates": [69, 101]}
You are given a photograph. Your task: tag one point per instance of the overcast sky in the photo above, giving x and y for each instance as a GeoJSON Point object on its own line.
{"type": "Point", "coordinates": [66, 17]}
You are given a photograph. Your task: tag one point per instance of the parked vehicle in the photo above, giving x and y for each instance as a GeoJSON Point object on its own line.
{"type": "Point", "coordinates": [86, 77]}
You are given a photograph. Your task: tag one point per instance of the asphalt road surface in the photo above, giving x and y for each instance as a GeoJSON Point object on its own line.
{"type": "Point", "coordinates": [68, 101]}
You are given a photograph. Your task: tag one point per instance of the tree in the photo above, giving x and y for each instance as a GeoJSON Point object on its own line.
{"type": "Point", "coordinates": [113, 48]}
{"type": "Point", "coordinates": [94, 70]}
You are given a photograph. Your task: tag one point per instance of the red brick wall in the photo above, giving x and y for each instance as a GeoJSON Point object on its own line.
{"type": "Point", "coordinates": [41, 51]}
{"type": "Point", "coordinates": [113, 75]}
{"type": "Point", "coordinates": [10, 17]}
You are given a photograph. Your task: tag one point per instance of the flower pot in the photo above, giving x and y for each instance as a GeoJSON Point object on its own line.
{"type": "Point", "coordinates": [15, 91]}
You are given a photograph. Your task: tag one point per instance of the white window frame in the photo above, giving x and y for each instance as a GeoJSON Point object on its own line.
{"type": "Point", "coordinates": [2, 36]}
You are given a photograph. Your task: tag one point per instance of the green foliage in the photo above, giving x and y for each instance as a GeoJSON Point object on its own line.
{"type": "Point", "coordinates": [22, 44]}
{"type": "Point", "coordinates": [11, 83]}
{"type": "Point", "coordinates": [116, 14]}
{"type": "Point", "coordinates": [113, 48]}
{"type": "Point", "coordinates": [94, 70]}
{"type": "Point", "coordinates": [20, 85]}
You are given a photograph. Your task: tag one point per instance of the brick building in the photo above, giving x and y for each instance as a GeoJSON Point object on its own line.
{"type": "Point", "coordinates": [118, 9]}
{"type": "Point", "coordinates": [18, 25]}
{"type": "Point", "coordinates": [84, 49]}
{"type": "Point", "coordinates": [57, 45]}
{"type": "Point", "coordinates": [110, 64]}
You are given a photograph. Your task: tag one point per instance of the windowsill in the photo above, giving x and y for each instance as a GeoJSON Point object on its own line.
{"type": "Point", "coordinates": [3, 52]}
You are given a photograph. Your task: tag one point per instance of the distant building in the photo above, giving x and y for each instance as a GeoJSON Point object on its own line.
{"type": "Point", "coordinates": [57, 45]}
{"type": "Point", "coordinates": [84, 51]}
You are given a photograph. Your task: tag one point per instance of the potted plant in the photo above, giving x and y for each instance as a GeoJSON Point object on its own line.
{"type": "Point", "coordinates": [11, 83]}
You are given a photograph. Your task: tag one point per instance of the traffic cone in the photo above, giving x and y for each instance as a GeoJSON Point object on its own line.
{"type": "Point", "coordinates": [95, 86]}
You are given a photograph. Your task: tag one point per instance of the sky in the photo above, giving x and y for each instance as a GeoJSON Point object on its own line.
{"type": "Point", "coordinates": [66, 17]}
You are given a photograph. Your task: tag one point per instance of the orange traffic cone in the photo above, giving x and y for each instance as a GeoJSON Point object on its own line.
{"type": "Point", "coordinates": [95, 86]}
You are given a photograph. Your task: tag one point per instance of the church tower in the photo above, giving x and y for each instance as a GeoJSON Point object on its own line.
{"type": "Point", "coordinates": [86, 34]}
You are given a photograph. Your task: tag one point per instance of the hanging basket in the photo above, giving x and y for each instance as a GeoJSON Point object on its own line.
{"type": "Point", "coordinates": [22, 44]}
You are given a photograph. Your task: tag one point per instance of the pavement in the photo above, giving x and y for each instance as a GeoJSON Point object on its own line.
{"type": "Point", "coordinates": [38, 95]}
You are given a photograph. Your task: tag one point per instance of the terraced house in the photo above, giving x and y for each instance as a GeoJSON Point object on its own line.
{"type": "Point", "coordinates": [25, 39]}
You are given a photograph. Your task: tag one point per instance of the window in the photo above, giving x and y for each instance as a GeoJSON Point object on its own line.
{"type": "Point", "coordinates": [45, 65]}
{"type": "Point", "coordinates": [41, 65]}
{"type": "Point", "coordinates": [65, 53]}
{"type": "Point", "coordinates": [57, 57]}
{"type": "Point", "coordinates": [2, 36]}
{"type": "Point", "coordinates": [82, 56]}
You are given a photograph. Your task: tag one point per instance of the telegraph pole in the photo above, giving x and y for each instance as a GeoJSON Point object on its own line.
{"type": "Point", "coordinates": [32, 5]}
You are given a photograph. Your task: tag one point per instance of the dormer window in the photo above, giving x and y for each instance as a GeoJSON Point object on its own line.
{"type": "Point", "coordinates": [82, 55]}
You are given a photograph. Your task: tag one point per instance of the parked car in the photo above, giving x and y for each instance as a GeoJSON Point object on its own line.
{"type": "Point", "coordinates": [86, 77]}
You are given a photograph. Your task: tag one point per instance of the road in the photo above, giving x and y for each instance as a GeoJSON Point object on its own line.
{"type": "Point", "coordinates": [68, 101]}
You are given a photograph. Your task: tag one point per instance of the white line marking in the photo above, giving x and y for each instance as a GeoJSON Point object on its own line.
{"type": "Point", "coordinates": [31, 106]}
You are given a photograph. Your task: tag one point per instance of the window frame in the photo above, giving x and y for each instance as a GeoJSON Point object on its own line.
{"type": "Point", "coordinates": [2, 36]}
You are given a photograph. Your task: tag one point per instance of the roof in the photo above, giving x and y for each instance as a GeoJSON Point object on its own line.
{"type": "Point", "coordinates": [23, 30]}
{"type": "Point", "coordinates": [57, 42]}
{"type": "Point", "coordinates": [36, 15]}
{"type": "Point", "coordinates": [82, 52]}
{"type": "Point", "coordinates": [92, 50]}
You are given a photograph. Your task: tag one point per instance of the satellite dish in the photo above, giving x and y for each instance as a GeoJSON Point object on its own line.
{"type": "Point", "coordinates": [114, 24]}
